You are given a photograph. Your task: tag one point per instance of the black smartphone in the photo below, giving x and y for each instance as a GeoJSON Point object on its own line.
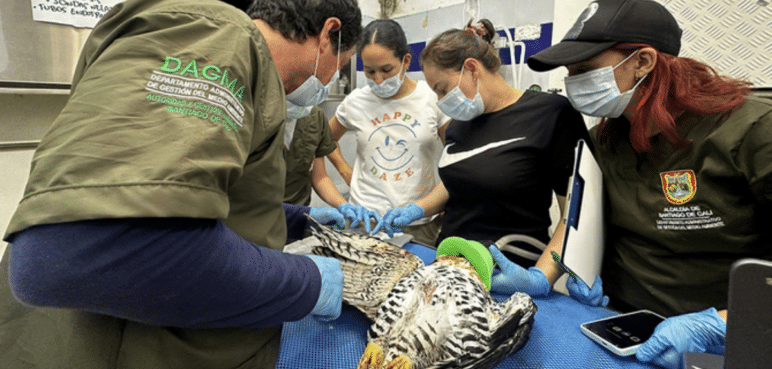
{"type": "Point", "coordinates": [622, 334]}
{"type": "Point", "coordinates": [749, 320]}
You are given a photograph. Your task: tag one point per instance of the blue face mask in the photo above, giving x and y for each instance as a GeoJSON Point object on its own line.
{"type": "Point", "coordinates": [595, 93]}
{"type": "Point", "coordinates": [297, 111]}
{"type": "Point", "coordinates": [312, 91]}
{"type": "Point", "coordinates": [459, 107]}
{"type": "Point", "coordinates": [388, 87]}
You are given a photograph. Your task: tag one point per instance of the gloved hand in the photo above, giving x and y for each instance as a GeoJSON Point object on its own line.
{"type": "Point", "coordinates": [328, 216]}
{"type": "Point", "coordinates": [359, 214]}
{"type": "Point", "coordinates": [702, 331]}
{"type": "Point", "coordinates": [514, 278]}
{"type": "Point", "coordinates": [399, 217]}
{"type": "Point", "coordinates": [330, 300]}
{"type": "Point", "coordinates": [579, 290]}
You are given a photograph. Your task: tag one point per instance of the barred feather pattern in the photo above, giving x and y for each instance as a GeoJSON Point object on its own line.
{"type": "Point", "coordinates": [371, 267]}
{"type": "Point", "coordinates": [440, 316]}
{"type": "Point", "coordinates": [437, 316]}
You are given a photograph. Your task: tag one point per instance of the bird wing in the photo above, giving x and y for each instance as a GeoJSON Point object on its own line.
{"type": "Point", "coordinates": [440, 316]}
{"type": "Point", "coordinates": [413, 319]}
{"type": "Point", "coordinates": [371, 267]}
{"type": "Point", "coordinates": [507, 330]}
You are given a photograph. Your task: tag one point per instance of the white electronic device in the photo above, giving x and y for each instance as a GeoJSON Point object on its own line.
{"type": "Point", "coordinates": [583, 241]}
{"type": "Point", "coordinates": [623, 334]}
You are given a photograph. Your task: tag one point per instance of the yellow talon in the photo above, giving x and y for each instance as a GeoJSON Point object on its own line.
{"type": "Point", "coordinates": [372, 357]}
{"type": "Point", "coordinates": [400, 362]}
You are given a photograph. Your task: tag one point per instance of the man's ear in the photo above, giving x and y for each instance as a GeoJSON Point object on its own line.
{"type": "Point", "coordinates": [331, 25]}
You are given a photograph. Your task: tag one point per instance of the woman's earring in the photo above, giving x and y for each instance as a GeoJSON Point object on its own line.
{"type": "Point", "coordinates": [637, 78]}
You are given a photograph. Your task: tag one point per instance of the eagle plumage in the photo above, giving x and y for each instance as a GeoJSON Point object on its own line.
{"type": "Point", "coordinates": [425, 316]}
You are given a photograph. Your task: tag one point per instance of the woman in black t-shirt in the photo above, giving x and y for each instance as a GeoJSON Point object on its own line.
{"type": "Point", "coordinates": [507, 151]}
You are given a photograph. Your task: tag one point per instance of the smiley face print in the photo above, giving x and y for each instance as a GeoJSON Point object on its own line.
{"type": "Point", "coordinates": [391, 146]}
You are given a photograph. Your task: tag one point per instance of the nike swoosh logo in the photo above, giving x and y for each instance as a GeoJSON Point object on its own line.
{"type": "Point", "coordinates": [449, 159]}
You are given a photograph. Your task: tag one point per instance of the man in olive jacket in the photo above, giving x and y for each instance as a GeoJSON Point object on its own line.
{"type": "Point", "coordinates": [149, 230]}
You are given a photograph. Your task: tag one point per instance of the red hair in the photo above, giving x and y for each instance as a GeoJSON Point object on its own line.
{"type": "Point", "coordinates": [676, 85]}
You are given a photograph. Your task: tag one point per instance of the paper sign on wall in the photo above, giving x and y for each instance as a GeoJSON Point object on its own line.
{"type": "Point", "coordinates": [76, 13]}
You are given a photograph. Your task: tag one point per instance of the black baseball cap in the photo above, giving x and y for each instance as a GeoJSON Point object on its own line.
{"type": "Point", "coordinates": [605, 23]}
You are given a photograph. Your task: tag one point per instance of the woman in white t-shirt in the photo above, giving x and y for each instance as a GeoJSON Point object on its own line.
{"type": "Point", "coordinates": [397, 124]}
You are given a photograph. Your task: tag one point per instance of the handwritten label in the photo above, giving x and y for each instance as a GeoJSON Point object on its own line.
{"type": "Point", "coordinates": [76, 13]}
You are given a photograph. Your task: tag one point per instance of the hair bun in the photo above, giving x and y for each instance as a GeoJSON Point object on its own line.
{"type": "Point", "coordinates": [483, 29]}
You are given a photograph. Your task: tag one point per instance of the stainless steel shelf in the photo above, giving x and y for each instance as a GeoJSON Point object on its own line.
{"type": "Point", "coordinates": [19, 145]}
{"type": "Point", "coordinates": [33, 91]}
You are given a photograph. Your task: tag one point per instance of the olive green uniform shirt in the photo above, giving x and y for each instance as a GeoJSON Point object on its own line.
{"type": "Point", "coordinates": [678, 217]}
{"type": "Point", "coordinates": [176, 110]}
{"type": "Point", "coordinates": [312, 139]}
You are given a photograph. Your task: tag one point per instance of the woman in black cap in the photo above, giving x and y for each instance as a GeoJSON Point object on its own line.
{"type": "Point", "coordinates": [686, 156]}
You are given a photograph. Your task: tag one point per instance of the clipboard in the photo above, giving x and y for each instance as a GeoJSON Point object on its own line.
{"type": "Point", "coordinates": [584, 238]}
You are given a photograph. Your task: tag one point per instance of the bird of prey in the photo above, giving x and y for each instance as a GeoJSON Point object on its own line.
{"type": "Point", "coordinates": [425, 316]}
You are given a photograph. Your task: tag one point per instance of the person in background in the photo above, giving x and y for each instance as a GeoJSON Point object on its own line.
{"type": "Point", "coordinates": [686, 156]}
{"type": "Point", "coordinates": [307, 140]}
{"type": "Point", "coordinates": [149, 232]}
{"type": "Point", "coordinates": [506, 152]}
{"type": "Point", "coordinates": [397, 125]}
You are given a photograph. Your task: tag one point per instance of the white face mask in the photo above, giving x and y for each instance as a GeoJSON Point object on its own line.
{"type": "Point", "coordinates": [312, 91]}
{"type": "Point", "coordinates": [459, 107]}
{"type": "Point", "coordinates": [297, 111]}
{"type": "Point", "coordinates": [596, 93]}
{"type": "Point", "coordinates": [388, 87]}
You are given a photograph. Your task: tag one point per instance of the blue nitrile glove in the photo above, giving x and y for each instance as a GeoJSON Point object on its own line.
{"type": "Point", "coordinates": [328, 216]}
{"type": "Point", "coordinates": [399, 217]}
{"type": "Point", "coordinates": [330, 300]}
{"type": "Point", "coordinates": [579, 290]}
{"type": "Point", "coordinates": [359, 214]}
{"type": "Point", "coordinates": [703, 331]}
{"type": "Point", "coordinates": [514, 278]}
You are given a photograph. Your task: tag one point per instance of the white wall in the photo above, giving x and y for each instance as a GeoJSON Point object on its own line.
{"type": "Point", "coordinates": [26, 116]}
{"type": "Point", "coordinates": [14, 169]}
{"type": "Point", "coordinates": [396, 8]}
{"type": "Point", "coordinates": [565, 13]}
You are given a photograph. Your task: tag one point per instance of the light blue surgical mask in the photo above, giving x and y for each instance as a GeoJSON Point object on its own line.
{"type": "Point", "coordinates": [459, 107]}
{"type": "Point", "coordinates": [312, 91]}
{"type": "Point", "coordinates": [297, 111]}
{"type": "Point", "coordinates": [388, 87]}
{"type": "Point", "coordinates": [595, 93]}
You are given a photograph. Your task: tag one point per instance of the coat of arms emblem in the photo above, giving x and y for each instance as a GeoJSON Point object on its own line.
{"type": "Point", "coordinates": [679, 186]}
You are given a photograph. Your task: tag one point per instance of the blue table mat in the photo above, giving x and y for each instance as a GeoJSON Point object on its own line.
{"type": "Point", "coordinates": [555, 342]}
